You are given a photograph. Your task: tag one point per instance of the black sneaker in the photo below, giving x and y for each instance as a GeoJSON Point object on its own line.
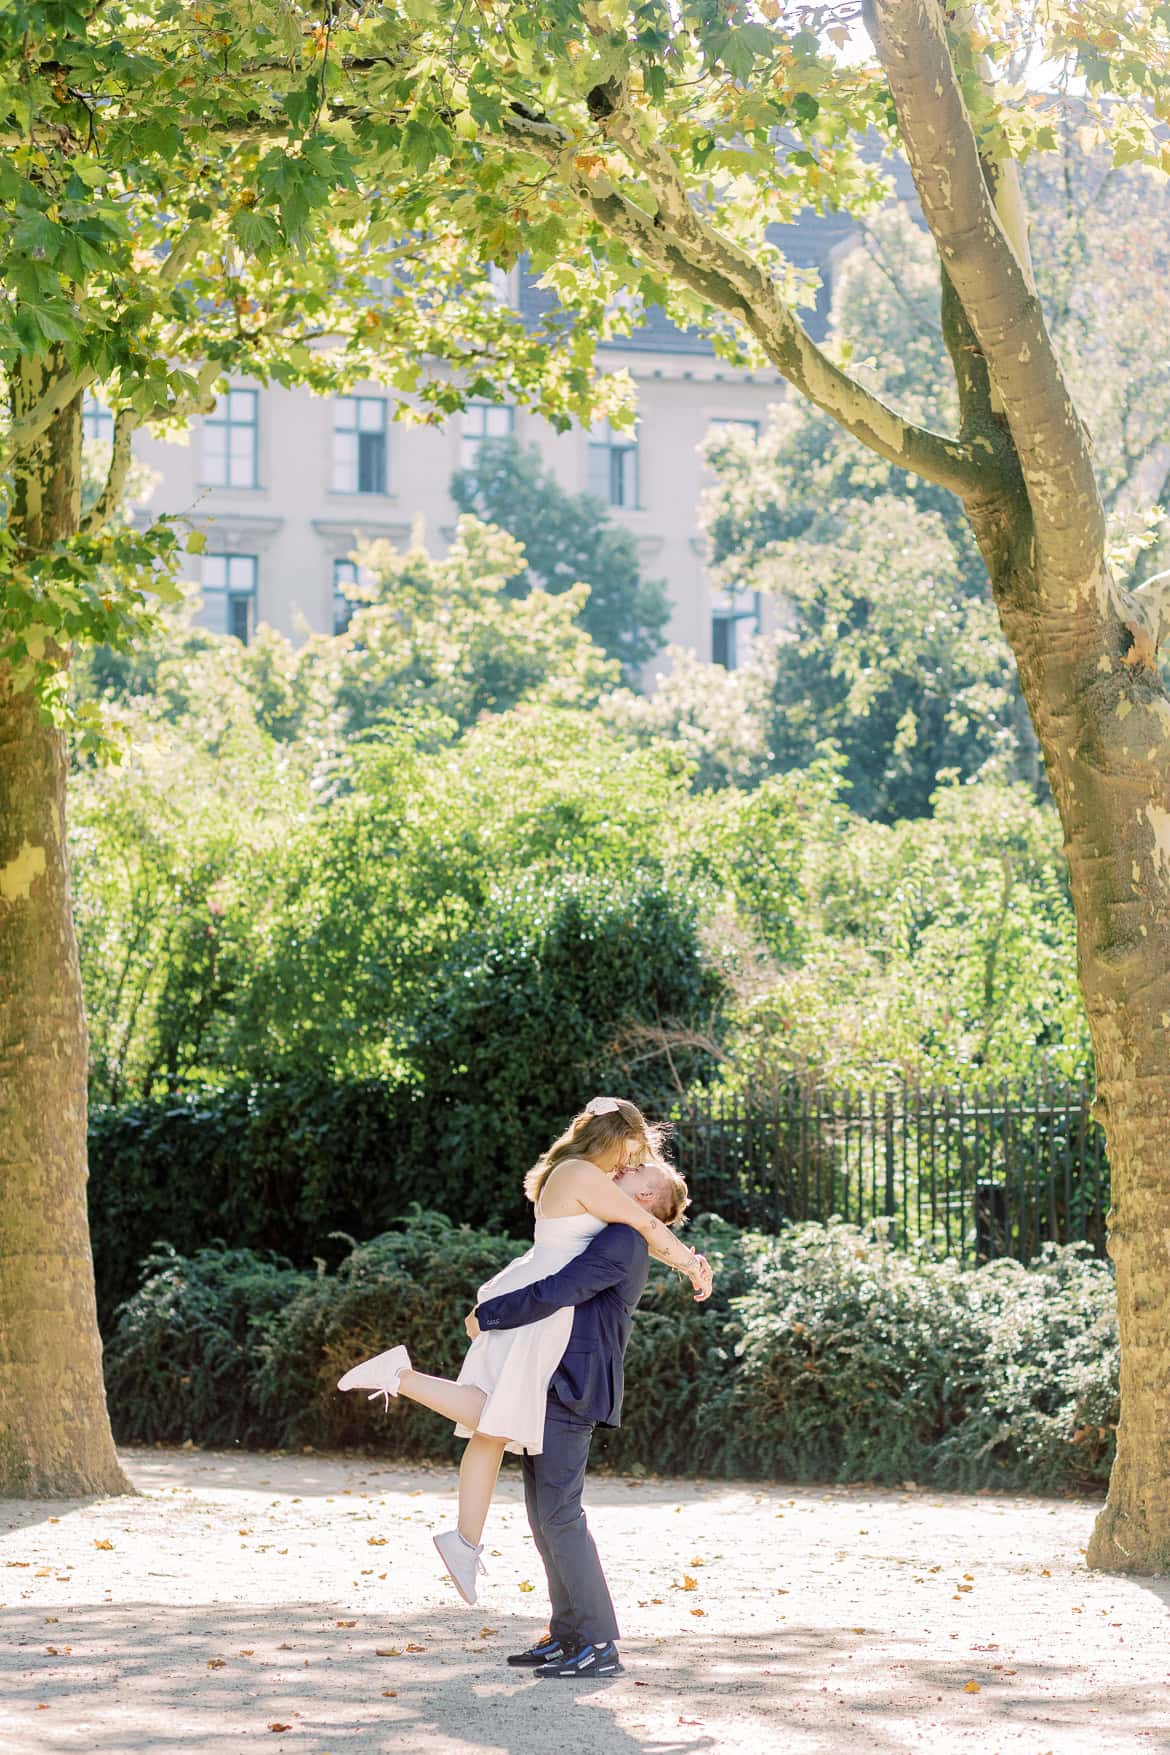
{"type": "Point", "coordinates": [591, 1661]}
{"type": "Point", "coordinates": [545, 1651]}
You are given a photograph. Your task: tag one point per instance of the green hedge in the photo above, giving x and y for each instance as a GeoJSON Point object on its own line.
{"type": "Point", "coordinates": [533, 999]}
{"type": "Point", "coordinates": [824, 1355]}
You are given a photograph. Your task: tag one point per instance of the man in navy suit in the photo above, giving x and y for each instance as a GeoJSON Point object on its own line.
{"type": "Point", "coordinates": [603, 1283]}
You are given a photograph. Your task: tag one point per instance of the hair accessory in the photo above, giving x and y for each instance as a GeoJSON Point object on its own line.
{"type": "Point", "coordinates": [602, 1106]}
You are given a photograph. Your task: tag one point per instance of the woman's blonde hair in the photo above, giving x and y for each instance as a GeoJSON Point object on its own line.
{"type": "Point", "coordinates": [591, 1134]}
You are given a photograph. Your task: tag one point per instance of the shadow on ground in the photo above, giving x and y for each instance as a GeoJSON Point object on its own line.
{"type": "Point", "coordinates": [139, 1678]}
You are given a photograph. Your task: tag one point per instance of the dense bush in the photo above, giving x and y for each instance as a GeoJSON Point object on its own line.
{"type": "Point", "coordinates": [531, 1001]}
{"type": "Point", "coordinates": [825, 1354]}
{"type": "Point", "coordinates": [188, 1348]}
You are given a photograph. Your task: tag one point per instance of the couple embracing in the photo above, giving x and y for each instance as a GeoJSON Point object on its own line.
{"type": "Point", "coordinates": [548, 1338]}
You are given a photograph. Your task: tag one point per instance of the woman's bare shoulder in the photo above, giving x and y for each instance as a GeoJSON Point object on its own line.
{"type": "Point", "coordinates": [560, 1190]}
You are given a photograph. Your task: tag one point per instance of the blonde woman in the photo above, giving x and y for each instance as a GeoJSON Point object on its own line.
{"type": "Point", "coordinates": [499, 1399]}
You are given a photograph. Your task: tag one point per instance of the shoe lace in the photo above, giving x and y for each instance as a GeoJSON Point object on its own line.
{"type": "Point", "coordinates": [385, 1395]}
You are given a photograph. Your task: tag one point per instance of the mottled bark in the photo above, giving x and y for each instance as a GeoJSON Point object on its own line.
{"type": "Point", "coordinates": [55, 1437]}
{"type": "Point", "coordinates": [1103, 725]}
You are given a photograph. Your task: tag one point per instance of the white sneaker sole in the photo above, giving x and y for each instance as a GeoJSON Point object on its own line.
{"type": "Point", "coordinates": [379, 1374]}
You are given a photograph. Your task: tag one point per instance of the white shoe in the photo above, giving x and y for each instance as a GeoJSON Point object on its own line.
{"type": "Point", "coordinates": [462, 1560]}
{"type": "Point", "coordinates": [379, 1374]}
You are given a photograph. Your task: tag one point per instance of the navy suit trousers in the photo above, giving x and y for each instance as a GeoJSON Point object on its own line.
{"type": "Point", "coordinates": [582, 1609]}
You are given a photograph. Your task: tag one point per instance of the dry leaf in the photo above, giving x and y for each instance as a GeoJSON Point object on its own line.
{"type": "Point", "coordinates": [216, 1663]}
{"type": "Point", "coordinates": [108, 1546]}
{"type": "Point", "coordinates": [389, 1694]}
{"type": "Point", "coordinates": [249, 1651]}
{"type": "Point", "coordinates": [487, 1632]}
{"type": "Point", "coordinates": [278, 1727]}
{"type": "Point", "coordinates": [376, 1541]}
{"type": "Point", "coordinates": [284, 1646]}
{"type": "Point", "coordinates": [525, 1585]}
{"type": "Point", "coordinates": [45, 1572]}
{"type": "Point", "coordinates": [859, 1630]}
{"type": "Point", "coordinates": [971, 1687]}
{"type": "Point", "coordinates": [243, 1532]}
{"type": "Point", "coordinates": [689, 1721]}
{"type": "Point", "coordinates": [695, 1560]}
{"type": "Point", "coordinates": [698, 1611]}
{"type": "Point", "coordinates": [416, 1648]}
{"type": "Point", "coordinates": [345, 1623]}
{"type": "Point", "coordinates": [388, 1651]}
{"type": "Point", "coordinates": [689, 1583]}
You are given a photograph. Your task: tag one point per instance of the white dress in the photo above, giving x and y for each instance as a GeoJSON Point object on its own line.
{"type": "Point", "coordinates": [514, 1366]}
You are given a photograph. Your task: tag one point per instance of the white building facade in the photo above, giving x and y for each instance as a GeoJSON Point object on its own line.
{"type": "Point", "coordinates": [283, 484]}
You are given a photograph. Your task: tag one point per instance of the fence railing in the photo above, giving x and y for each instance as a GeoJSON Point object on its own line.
{"type": "Point", "coordinates": [981, 1172]}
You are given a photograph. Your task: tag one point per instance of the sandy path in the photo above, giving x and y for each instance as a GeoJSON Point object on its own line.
{"type": "Point", "coordinates": [241, 1592]}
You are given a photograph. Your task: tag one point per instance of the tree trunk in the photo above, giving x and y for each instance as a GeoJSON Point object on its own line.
{"type": "Point", "coordinates": [1104, 726]}
{"type": "Point", "coordinates": [55, 1439]}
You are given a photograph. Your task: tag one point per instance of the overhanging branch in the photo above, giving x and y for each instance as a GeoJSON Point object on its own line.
{"type": "Point", "coordinates": [682, 242]}
{"type": "Point", "coordinates": [992, 284]}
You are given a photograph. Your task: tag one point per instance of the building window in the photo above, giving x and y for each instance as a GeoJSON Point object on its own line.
{"type": "Point", "coordinates": [229, 595]}
{"type": "Point", "coordinates": [229, 441]}
{"type": "Point", "coordinates": [359, 445]}
{"type": "Point", "coordinates": [613, 465]}
{"type": "Point", "coordinates": [346, 572]}
{"type": "Point", "coordinates": [483, 420]}
{"type": "Point", "coordinates": [729, 613]}
{"type": "Point", "coordinates": [732, 423]}
{"type": "Point", "coordinates": [96, 420]}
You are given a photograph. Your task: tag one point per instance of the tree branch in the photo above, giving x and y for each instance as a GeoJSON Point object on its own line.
{"type": "Point", "coordinates": [993, 286]}
{"type": "Point", "coordinates": [114, 486]}
{"type": "Point", "coordinates": [682, 242]}
{"type": "Point", "coordinates": [126, 422]}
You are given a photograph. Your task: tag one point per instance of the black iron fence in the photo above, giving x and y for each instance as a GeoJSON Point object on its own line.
{"type": "Point", "coordinates": [981, 1172]}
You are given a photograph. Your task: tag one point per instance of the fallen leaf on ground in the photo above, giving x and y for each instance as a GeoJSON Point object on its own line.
{"type": "Point", "coordinates": [971, 1687]}
{"type": "Point", "coordinates": [44, 1572]}
{"type": "Point", "coordinates": [278, 1727]}
{"type": "Point", "coordinates": [859, 1630]}
{"type": "Point", "coordinates": [376, 1541]}
{"type": "Point", "coordinates": [689, 1721]}
{"type": "Point", "coordinates": [694, 1560]}
{"type": "Point", "coordinates": [525, 1585]}
{"type": "Point", "coordinates": [389, 1694]}
{"type": "Point", "coordinates": [216, 1663]}
{"type": "Point", "coordinates": [698, 1611]}
{"type": "Point", "coordinates": [108, 1546]}
{"type": "Point", "coordinates": [345, 1623]}
{"type": "Point", "coordinates": [388, 1651]}
{"type": "Point", "coordinates": [487, 1632]}
{"type": "Point", "coordinates": [249, 1651]}
{"type": "Point", "coordinates": [284, 1646]}
{"type": "Point", "coordinates": [416, 1648]}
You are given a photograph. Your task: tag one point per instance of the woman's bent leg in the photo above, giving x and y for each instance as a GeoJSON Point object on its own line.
{"type": "Point", "coordinates": [460, 1402]}
{"type": "Point", "coordinates": [478, 1473]}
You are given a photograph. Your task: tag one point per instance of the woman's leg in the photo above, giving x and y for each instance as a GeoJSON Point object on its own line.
{"type": "Point", "coordinates": [478, 1473]}
{"type": "Point", "coordinates": [460, 1402]}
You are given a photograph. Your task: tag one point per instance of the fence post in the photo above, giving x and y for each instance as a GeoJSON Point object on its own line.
{"type": "Point", "coordinates": [889, 1153]}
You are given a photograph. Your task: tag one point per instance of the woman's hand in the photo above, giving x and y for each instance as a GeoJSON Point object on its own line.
{"type": "Point", "coordinates": [472, 1326]}
{"type": "Point", "coordinates": [702, 1278]}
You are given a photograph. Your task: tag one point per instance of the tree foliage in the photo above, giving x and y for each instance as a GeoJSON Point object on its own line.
{"type": "Point", "coordinates": [568, 538]}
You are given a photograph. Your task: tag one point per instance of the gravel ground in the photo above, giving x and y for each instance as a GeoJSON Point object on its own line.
{"type": "Point", "coordinates": [296, 1602]}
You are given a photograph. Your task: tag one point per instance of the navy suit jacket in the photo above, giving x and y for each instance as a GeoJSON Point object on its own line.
{"type": "Point", "coordinates": [604, 1284]}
